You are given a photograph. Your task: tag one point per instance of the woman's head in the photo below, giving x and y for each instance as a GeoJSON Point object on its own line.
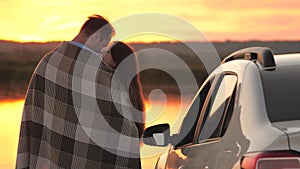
{"type": "Point", "coordinates": [120, 51]}
{"type": "Point", "coordinates": [122, 58]}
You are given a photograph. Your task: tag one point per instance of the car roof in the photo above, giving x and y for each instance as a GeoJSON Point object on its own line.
{"type": "Point", "coordinates": [287, 59]}
{"type": "Point", "coordinates": [236, 63]}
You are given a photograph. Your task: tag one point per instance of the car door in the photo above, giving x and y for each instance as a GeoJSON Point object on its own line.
{"type": "Point", "coordinates": [174, 158]}
{"type": "Point", "coordinates": [204, 152]}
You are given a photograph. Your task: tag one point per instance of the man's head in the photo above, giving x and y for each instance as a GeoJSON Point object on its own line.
{"type": "Point", "coordinates": [95, 33]}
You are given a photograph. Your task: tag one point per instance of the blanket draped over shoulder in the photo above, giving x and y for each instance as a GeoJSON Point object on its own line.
{"type": "Point", "coordinates": [74, 117]}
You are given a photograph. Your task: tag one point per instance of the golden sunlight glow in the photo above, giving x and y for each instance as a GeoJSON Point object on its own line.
{"type": "Point", "coordinates": [11, 114]}
{"type": "Point", "coordinates": [147, 38]}
{"type": "Point", "coordinates": [10, 121]}
{"type": "Point", "coordinates": [170, 112]}
{"type": "Point", "coordinates": [41, 20]}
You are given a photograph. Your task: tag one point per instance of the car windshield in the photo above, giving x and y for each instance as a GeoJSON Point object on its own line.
{"type": "Point", "coordinates": [282, 93]}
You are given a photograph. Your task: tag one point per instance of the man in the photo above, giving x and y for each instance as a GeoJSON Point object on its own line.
{"type": "Point", "coordinates": [57, 98]}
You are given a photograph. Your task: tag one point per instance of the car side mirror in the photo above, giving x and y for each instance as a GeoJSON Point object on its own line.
{"type": "Point", "coordinates": [158, 135]}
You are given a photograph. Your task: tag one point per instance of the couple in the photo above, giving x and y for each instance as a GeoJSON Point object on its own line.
{"type": "Point", "coordinates": [83, 110]}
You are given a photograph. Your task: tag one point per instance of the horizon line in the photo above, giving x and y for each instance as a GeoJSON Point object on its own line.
{"type": "Point", "coordinates": [153, 42]}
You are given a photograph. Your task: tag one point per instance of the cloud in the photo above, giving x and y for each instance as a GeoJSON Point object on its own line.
{"type": "Point", "coordinates": [50, 20]}
{"type": "Point", "coordinates": [251, 4]}
{"type": "Point", "coordinates": [213, 17]}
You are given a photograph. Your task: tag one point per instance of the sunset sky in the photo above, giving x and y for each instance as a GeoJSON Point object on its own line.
{"type": "Point", "coordinates": [56, 20]}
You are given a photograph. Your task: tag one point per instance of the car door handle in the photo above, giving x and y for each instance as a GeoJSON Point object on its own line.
{"type": "Point", "coordinates": [206, 167]}
{"type": "Point", "coordinates": [227, 151]}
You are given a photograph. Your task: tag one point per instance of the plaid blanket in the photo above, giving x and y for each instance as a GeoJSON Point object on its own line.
{"type": "Point", "coordinates": [75, 117]}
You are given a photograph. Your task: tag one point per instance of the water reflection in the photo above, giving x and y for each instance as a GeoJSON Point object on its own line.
{"type": "Point", "coordinates": [10, 120]}
{"type": "Point", "coordinates": [11, 114]}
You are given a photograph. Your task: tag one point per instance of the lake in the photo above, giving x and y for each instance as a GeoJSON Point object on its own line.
{"type": "Point", "coordinates": [10, 120]}
{"type": "Point", "coordinates": [171, 111]}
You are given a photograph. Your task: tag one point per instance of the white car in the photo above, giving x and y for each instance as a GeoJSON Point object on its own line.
{"type": "Point", "coordinates": [246, 115]}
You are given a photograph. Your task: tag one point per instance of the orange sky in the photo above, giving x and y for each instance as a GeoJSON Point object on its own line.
{"type": "Point", "coordinates": [44, 20]}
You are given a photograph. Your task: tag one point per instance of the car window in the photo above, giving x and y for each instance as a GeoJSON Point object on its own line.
{"type": "Point", "coordinates": [220, 103]}
{"type": "Point", "coordinates": [187, 130]}
{"type": "Point", "coordinates": [282, 93]}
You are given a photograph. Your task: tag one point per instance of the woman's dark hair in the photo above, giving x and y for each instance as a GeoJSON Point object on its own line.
{"type": "Point", "coordinates": [119, 52]}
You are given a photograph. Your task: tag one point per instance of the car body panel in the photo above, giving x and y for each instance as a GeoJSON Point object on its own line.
{"type": "Point", "coordinates": [249, 130]}
{"type": "Point", "coordinates": [294, 137]}
{"type": "Point", "coordinates": [292, 128]}
{"type": "Point", "coordinates": [254, 119]}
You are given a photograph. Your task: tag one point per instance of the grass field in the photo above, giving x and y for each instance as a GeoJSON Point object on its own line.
{"type": "Point", "coordinates": [18, 60]}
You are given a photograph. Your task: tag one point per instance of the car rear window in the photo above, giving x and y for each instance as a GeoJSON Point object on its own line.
{"type": "Point", "coordinates": [282, 93]}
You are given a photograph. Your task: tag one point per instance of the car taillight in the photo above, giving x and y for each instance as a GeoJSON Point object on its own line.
{"type": "Point", "coordinates": [271, 160]}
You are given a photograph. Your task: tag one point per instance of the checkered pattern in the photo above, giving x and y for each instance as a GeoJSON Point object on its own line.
{"type": "Point", "coordinates": [74, 117]}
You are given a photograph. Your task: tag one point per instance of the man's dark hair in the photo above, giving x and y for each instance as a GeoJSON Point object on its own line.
{"type": "Point", "coordinates": [95, 23]}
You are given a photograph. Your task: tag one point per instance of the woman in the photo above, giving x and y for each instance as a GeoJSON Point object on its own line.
{"type": "Point", "coordinates": [127, 110]}
{"type": "Point", "coordinates": [118, 53]}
